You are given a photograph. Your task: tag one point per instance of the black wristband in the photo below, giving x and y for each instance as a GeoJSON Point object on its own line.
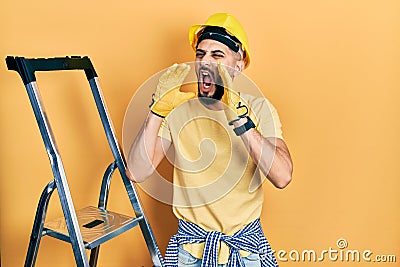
{"type": "Point", "coordinates": [245, 127]}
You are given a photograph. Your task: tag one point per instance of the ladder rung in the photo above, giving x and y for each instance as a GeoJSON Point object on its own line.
{"type": "Point", "coordinates": [96, 226]}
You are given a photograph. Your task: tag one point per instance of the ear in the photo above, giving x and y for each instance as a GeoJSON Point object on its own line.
{"type": "Point", "coordinates": [239, 67]}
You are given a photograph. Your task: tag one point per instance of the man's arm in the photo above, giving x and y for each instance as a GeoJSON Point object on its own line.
{"type": "Point", "coordinates": [270, 154]}
{"type": "Point", "coordinates": [147, 150]}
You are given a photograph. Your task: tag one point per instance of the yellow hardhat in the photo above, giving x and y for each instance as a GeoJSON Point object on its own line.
{"type": "Point", "coordinates": [230, 24]}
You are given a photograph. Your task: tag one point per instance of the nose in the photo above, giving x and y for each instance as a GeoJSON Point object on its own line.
{"type": "Point", "coordinates": [207, 60]}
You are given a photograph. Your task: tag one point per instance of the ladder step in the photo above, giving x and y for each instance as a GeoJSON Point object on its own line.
{"type": "Point", "coordinates": [96, 226]}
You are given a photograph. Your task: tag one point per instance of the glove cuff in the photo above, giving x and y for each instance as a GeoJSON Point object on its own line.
{"type": "Point", "coordinates": [161, 116]}
{"type": "Point", "coordinates": [245, 127]}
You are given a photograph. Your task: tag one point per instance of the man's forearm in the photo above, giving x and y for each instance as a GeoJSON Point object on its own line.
{"type": "Point", "coordinates": [142, 153]}
{"type": "Point", "coordinates": [271, 156]}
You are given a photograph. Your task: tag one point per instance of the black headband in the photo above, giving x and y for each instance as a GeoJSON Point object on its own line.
{"type": "Point", "coordinates": [219, 34]}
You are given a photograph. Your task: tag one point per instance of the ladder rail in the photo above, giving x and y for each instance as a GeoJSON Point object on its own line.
{"type": "Point", "coordinates": [37, 228]}
{"type": "Point", "coordinates": [103, 200]}
{"type": "Point", "coordinates": [130, 187]}
{"type": "Point", "coordinates": [60, 178]}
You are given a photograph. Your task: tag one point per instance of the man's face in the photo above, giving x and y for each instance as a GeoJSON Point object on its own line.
{"type": "Point", "coordinates": [208, 53]}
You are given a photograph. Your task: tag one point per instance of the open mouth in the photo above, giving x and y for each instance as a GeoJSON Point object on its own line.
{"type": "Point", "coordinates": [206, 80]}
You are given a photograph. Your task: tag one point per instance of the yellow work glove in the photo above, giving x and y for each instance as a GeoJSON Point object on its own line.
{"type": "Point", "coordinates": [167, 95]}
{"type": "Point", "coordinates": [235, 107]}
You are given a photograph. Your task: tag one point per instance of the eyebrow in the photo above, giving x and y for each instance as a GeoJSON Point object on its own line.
{"type": "Point", "coordinates": [212, 52]}
{"type": "Point", "coordinates": [217, 51]}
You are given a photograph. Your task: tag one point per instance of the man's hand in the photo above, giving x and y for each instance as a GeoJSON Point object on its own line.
{"type": "Point", "coordinates": [167, 95]}
{"type": "Point", "coordinates": [235, 107]}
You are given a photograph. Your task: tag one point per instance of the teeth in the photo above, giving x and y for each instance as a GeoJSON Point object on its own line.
{"type": "Point", "coordinates": [204, 74]}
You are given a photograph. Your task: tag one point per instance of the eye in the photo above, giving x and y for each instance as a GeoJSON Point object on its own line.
{"type": "Point", "coordinates": [218, 55]}
{"type": "Point", "coordinates": [199, 54]}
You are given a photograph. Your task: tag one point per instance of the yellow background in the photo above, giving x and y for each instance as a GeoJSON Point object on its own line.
{"type": "Point", "coordinates": [331, 68]}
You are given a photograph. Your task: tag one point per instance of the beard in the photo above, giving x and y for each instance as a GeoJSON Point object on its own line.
{"type": "Point", "coordinates": [219, 92]}
{"type": "Point", "coordinates": [217, 83]}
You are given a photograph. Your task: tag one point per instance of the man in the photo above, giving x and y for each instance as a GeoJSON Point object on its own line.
{"type": "Point", "coordinates": [222, 140]}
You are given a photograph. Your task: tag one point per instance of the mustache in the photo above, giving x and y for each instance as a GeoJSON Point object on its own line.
{"type": "Point", "coordinates": [207, 69]}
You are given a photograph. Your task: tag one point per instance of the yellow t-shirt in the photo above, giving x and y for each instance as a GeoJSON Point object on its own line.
{"type": "Point", "coordinates": [216, 184]}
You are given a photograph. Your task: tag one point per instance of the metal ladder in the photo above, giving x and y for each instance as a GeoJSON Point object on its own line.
{"type": "Point", "coordinates": [91, 226]}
